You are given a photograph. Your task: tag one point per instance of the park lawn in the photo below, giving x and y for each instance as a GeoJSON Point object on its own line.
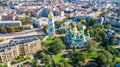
{"type": "Point", "coordinates": [3, 65]}
{"type": "Point", "coordinates": [57, 57]}
{"type": "Point", "coordinates": [49, 40]}
{"type": "Point", "coordinates": [93, 55]}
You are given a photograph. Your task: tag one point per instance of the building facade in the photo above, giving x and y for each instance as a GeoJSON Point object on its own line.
{"type": "Point", "coordinates": [20, 47]}
{"type": "Point", "coordinates": [75, 38]}
{"type": "Point", "coordinates": [10, 23]}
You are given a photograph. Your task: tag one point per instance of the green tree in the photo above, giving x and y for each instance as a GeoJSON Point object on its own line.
{"type": "Point", "coordinates": [91, 31]}
{"type": "Point", "coordinates": [34, 62]}
{"type": "Point", "coordinates": [102, 34]}
{"type": "Point", "coordinates": [68, 65]}
{"type": "Point", "coordinates": [66, 62]}
{"type": "Point", "coordinates": [48, 65]}
{"type": "Point", "coordinates": [56, 46]}
{"type": "Point", "coordinates": [46, 59]}
{"type": "Point", "coordinates": [98, 38]}
{"type": "Point", "coordinates": [97, 26]}
{"type": "Point", "coordinates": [91, 45]}
{"type": "Point", "coordinates": [108, 26]}
{"type": "Point", "coordinates": [59, 64]}
{"type": "Point", "coordinates": [112, 40]}
{"type": "Point", "coordinates": [40, 54]}
{"type": "Point", "coordinates": [45, 28]}
{"type": "Point", "coordinates": [25, 20]}
{"type": "Point", "coordinates": [3, 30]}
{"type": "Point", "coordinates": [10, 29]}
{"type": "Point", "coordinates": [83, 22]}
{"type": "Point", "coordinates": [95, 21]}
{"type": "Point", "coordinates": [105, 59]}
{"type": "Point", "coordinates": [77, 57]}
{"type": "Point", "coordinates": [113, 51]}
{"type": "Point", "coordinates": [74, 47]}
{"type": "Point", "coordinates": [62, 31]}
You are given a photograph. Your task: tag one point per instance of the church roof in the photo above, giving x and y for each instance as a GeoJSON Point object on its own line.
{"type": "Point", "coordinates": [50, 15]}
{"type": "Point", "coordinates": [87, 34]}
{"type": "Point", "coordinates": [74, 28]}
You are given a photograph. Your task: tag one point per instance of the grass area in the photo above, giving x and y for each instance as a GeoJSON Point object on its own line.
{"type": "Point", "coordinates": [117, 60]}
{"type": "Point", "coordinates": [49, 40]}
{"type": "Point", "coordinates": [57, 57]}
{"type": "Point", "coordinates": [3, 65]}
{"type": "Point", "coordinates": [20, 59]}
{"type": "Point", "coordinates": [1, 40]}
{"type": "Point", "coordinates": [93, 55]}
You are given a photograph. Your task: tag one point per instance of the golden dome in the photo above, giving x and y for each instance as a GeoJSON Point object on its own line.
{"type": "Point", "coordinates": [50, 15]}
{"type": "Point", "coordinates": [74, 28]}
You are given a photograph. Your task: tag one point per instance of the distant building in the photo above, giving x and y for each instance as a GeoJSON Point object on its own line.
{"type": "Point", "coordinates": [40, 22]}
{"type": "Point", "coordinates": [62, 13]}
{"type": "Point", "coordinates": [19, 47]}
{"type": "Point", "coordinates": [75, 38]}
{"type": "Point", "coordinates": [44, 11]}
{"type": "Point", "coordinates": [113, 21]}
{"type": "Point", "coordinates": [8, 17]}
{"type": "Point", "coordinates": [10, 23]}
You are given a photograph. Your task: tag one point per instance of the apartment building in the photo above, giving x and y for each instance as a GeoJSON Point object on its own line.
{"type": "Point", "coordinates": [19, 47]}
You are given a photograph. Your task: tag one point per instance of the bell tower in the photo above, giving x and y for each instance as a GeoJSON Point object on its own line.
{"type": "Point", "coordinates": [51, 25]}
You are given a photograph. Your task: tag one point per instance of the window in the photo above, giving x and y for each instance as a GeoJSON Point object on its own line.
{"type": "Point", "coordinates": [50, 30]}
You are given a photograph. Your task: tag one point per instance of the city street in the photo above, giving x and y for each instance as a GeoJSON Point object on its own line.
{"type": "Point", "coordinates": [32, 32]}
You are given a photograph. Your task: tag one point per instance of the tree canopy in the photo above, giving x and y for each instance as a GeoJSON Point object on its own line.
{"type": "Point", "coordinates": [91, 45]}
{"type": "Point", "coordinates": [56, 46]}
{"type": "Point", "coordinates": [105, 59]}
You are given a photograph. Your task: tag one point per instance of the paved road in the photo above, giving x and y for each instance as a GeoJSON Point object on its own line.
{"type": "Point", "coordinates": [8, 37]}
{"type": "Point", "coordinates": [37, 31]}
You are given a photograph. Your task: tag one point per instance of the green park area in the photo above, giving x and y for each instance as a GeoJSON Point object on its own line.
{"type": "Point", "coordinates": [93, 55]}
{"type": "Point", "coordinates": [49, 40]}
{"type": "Point", "coordinates": [58, 57]}
{"type": "Point", "coordinates": [3, 65]}
{"type": "Point", "coordinates": [10, 29]}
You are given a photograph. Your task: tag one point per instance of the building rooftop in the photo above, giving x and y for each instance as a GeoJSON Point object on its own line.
{"type": "Point", "coordinates": [17, 42]}
{"type": "Point", "coordinates": [10, 21]}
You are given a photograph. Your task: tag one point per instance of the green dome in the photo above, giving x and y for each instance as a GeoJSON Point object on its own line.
{"type": "Point", "coordinates": [87, 34]}
{"type": "Point", "coordinates": [81, 36]}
